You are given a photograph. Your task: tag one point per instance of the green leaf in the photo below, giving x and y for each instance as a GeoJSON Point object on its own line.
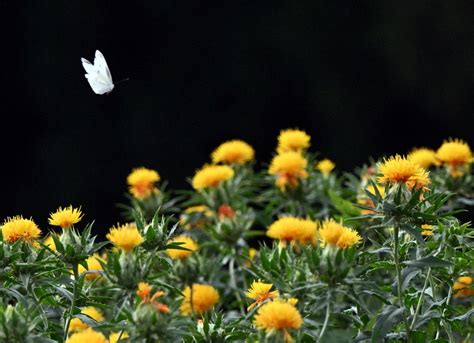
{"type": "Point", "coordinates": [465, 315]}
{"type": "Point", "coordinates": [429, 261]}
{"type": "Point", "coordinates": [418, 337]}
{"type": "Point", "coordinates": [345, 207]}
{"type": "Point", "coordinates": [390, 317]}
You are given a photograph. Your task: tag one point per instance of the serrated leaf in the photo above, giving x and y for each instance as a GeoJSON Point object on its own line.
{"type": "Point", "coordinates": [390, 317]}
{"type": "Point", "coordinates": [429, 261]}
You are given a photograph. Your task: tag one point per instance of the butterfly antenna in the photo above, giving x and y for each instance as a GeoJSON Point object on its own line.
{"type": "Point", "coordinates": [123, 80]}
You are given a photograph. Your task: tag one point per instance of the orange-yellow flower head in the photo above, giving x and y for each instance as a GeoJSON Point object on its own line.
{"type": "Point", "coordinates": [78, 325]}
{"type": "Point", "coordinates": [455, 154]}
{"type": "Point", "coordinates": [292, 140]}
{"type": "Point", "coordinates": [399, 169]}
{"type": "Point", "coordinates": [88, 335]}
{"type": "Point", "coordinates": [141, 182]}
{"type": "Point", "coordinates": [144, 290]}
{"type": "Point", "coordinates": [260, 292]}
{"type": "Point", "coordinates": [292, 229]}
{"type": "Point", "coordinates": [211, 176]}
{"type": "Point", "coordinates": [94, 267]}
{"type": "Point", "coordinates": [325, 166]}
{"type": "Point", "coordinates": [278, 316]}
{"type": "Point", "coordinates": [49, 242]}
{"type": "Point", "coordinates": [188, 243]}
{"type": "Point", "coordinates": [114, 337]}
{"type": "Point", "coordinates": [233, 152]}
{"type": "Point", "coordinates": [17, 228]}
{"type": "Point", "coordinates": [204, 297]}
{"type": "Point", "coordinates": [426, 230]}
{"type": "Point", "coordinates": [125, 237]}
{"type": "Point", "coordinates": [289, 168]}
{"type": "Point", "coordinates": [195, 216]}
{"type": "Point", "coordinates": [463, 287]}
{"type": "Point", "coordinates": [335, 234]}
{"type": "Point", "coordinates": [65, 217]}
{"type": "Point", "coordinates": [424, 157]}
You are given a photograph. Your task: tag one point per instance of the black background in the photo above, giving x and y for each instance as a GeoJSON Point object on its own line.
{"type": "Point", "coordinates": [363, 78]}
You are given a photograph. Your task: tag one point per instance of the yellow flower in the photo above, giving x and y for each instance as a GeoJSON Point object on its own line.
{"type": "Point", "coordinates": [94, 267]}
{"type": "Point", "coordinates": [292, 229]}
{"type": "Point", "coordinates": [88, 335]}
{"type": "Point", "coordinates": [325, 166]}
{"type": "Point", "coordinates": [144, 290]}
{"type": "Point", "coordinates": [234, 151]}
{"type": "Point", "coordinates": [17, 228]}
{"type": "Point", "coordinates": [427, 230]}
{"type": "Point", "coordinates": [424, 157]}
{"type": "Point", "coordinates": [78, 325]}
{"type": "Point", "coordinates": [65, 217]}
{"type": "Point", "coordinates": [195, 216]}
{"type": "Point", "coordinates": [125, 237]}
{"type": "Point", "coordinates": [114, 337]}
{"type": "Point", "coordinates": [289, 168]}
{"type": "Point", "coordinates": [278, 315]}
{"type": "Point", "coordinates": [292, 140]}
{"type": "Point", "coordinates": [260, 292]}
{"type": "Point", "coordinates": [189, 243]}
{"type": "Point", "coordinates": [399, 169]}
{"type": "Point", "coordinates": [49, 242]}
{"type": "Point", "coordinates": [335, 234]}
{"type": "Point", "coordinates": [204, 297]}
{"type": "Point", "coordinates": [141, 182]}
{"type": "Point", "coordinates": [211, 176]}
{"type": "Point", "coordinates": [456, 154]}
{"type": "Point", "coordinates": [462, 287]}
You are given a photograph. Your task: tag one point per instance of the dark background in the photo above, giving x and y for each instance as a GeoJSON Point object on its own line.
{"type": "Point", "coordinates": [363, 78]}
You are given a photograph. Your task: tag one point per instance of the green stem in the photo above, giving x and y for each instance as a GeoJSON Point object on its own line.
{"type": "Point", "coordinates": [443, 322]}
{"type": "Point", "coordinates": [75, 269]}
{"type": "Point", "coordinates": [233, 283]}
{"type": "Point", "coordinates": [420, 299]}
{"type": "Point", "coordinates": [396, 257]}
{"type": "Point", "coordinates": [326, 318]}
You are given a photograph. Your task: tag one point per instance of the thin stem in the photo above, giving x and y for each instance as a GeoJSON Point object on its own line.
{"type": "Point", "coordinates": [443, 322]}
{"type": "Point", "coordinates": [73, 302]}
{"type": "Point", "coordinates": [326, 318]}
{"type": "Point", "coordinates": [420, 299]}
{"type": "Point", "coordinates": [399, 278]}
{"type": "Point", "coordinates": [233, 283]}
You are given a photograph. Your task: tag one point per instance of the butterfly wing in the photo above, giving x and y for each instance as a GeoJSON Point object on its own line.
{"type": "Point", "coordinates": [101, 64]}
{"type": "Point", "coordinates": [98, 74]}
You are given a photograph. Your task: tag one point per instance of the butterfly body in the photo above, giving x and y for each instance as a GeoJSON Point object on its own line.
{"type": "Point", "coordinates": [98, 74]}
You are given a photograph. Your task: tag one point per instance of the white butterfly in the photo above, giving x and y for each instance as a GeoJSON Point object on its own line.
{"type": "Point", "coordinates": [98, 74]}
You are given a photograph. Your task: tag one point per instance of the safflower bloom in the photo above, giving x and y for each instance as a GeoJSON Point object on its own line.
{"type": "Point", "coordinates": [426, 230]}
{"type": "Point", "coordinates": [189, 243]}
{"type": "Point", "coordinates": [260, 292]}
{"type": "Point", "coordinates": [462, 287]}
{"type": "Point", "coordinates": [234, 151]}
{"type": "Point", "coordinates": [293, 140]}
{"type": "Point", "coordinates": [125, 237]}
{"type": "Point", "coordinates": [17, 228]}
{"type": "Point", "coordinates": [399, 169]}
{"type": "Point", "coordinates": [455, 154]}
{"type": "Point", "coordinates": [65, 217]}
{"type": "Point", "coordinates": [424, 157]}
{"type": "Point", "coordinates": [88, 335]}
{"type": "Point", "coordinates": [278, 315]}
{"type": "Point", "coordinates": [225, 211]}
{"type": "Point", "coordinates": [114, 336]}
{"type": "Point", "coordinates": [141, 182]}
{"type": "Point", "coordinates": [188, 218]}
{"type": "Point", "coordinates": [78, 325]}
{"type": "Point", "coordinates": [94, 267]}
{"type": "Point", "coordinates": [49, 242]}
{"type": "Point", "coordinates": [204, 297]}
{"type": "Point", "coordinates": [289, 168]}
{"type": "Point", "coordinates": [144, 291]}
{"type": "Point", "coordinates": [292, 229]}
{"type": "Point", "coordinates": [211, 176]}
{"type": "Point", "coordinates": [325, 166]}
{"type": "Point", "coordinates": [335, 234]}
